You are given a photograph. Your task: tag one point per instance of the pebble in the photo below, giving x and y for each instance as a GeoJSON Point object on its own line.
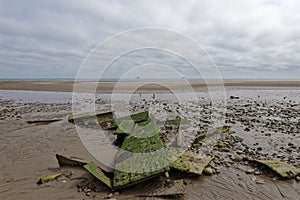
{"type": "Point", "coordinates": [257, 173]}
{"type": "Point", "coordinates": [88, 194]}
{"type": "Point", "coordinates": [259, 149]}
{"type": "Point", "coordinates": [208, 171]}
{"type": "Point", "coordinates": [297, 178]}
{"type": "Point", "coordinates": [109, 196]}
{"type": "Point", "coordinates": [239, 152]}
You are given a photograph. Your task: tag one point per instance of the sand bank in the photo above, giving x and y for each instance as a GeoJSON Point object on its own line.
{"type": "Point", "coordinates": [108, 87]}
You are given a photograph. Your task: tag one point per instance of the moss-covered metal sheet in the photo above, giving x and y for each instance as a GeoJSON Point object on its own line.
{"type": "Point", "coordinates": [173, 124]}
{"type": "Point", "coordinates": [141, 156]}
{"type": "Point", "coordinates": [98, 173]}
{"type": "Point", "coordinates": [72, 118]}
{"type": "Point", "coordinates": [163, 188]}
{"type": "Point", "coordinates": [125, 127]}
{"type": "Point", "coordinates": [87, 119]}
{"type": "Point", "coordinates": [283, 169]}
{"type": "Point", "coordinates": [64, 161]}
{"type": "Point", "coordinates": [136, 118]}
{"type": "Point", "coordinates": [190, 162]}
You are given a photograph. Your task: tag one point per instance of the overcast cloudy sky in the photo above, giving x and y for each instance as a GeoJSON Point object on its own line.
{"type": "Point", "coordinates": [245, 38]}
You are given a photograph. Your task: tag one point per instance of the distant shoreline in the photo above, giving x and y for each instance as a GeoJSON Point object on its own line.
{"type": "Point", "coordinates": [143, 86]}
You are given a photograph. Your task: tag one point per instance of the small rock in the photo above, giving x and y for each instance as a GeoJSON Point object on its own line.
{"type": "Point", "coordinates": [228, 165]}
{"type": "Point", "coordinates": [240, 152]}
{"type": "Point", "coordinates": [257, 173]}
{"type": "Point", "coordinates": [290, 144]}
{"type": "Point", "coordinates": [247, 129]}
{"type": "Point", "coordinates": [116, 193]}
{"type": "Point", "coordinates": [260, 182]}
{"type": "Point", "coordinates": [250, 171]}
{"type": "Point", "coordinates": [109, 196]}
{"type": "Point", "coordinates": [259, 149]}
{"type": "Point", "coordinates": [187, 181]}
{"type": "Point", "coordinates": [237, 158]}
{"type": "Point", "coordinates": [88, 194]}
{"type": "Point", "coordinates": [297, 178]}
{"type": "Point", "coordinates": [208, 171]}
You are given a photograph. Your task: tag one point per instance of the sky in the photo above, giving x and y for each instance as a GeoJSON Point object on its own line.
{"type": "Point", "coordinates": [246, 39]}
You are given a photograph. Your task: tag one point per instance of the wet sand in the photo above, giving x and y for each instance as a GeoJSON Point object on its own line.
{"type": "Point", "coordinates": [28, 153]}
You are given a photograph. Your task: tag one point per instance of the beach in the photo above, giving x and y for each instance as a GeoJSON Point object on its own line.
{"type": "Point", "coordinates": [263, 117]}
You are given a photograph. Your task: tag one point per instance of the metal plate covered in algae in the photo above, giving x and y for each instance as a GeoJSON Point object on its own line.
{"type": "Point", "coordinates": [142, 155]}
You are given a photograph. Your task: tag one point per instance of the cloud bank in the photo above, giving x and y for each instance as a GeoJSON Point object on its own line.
{"type": "Point", "coordinates": [246, 39]}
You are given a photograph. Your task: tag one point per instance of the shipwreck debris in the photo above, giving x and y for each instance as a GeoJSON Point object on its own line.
{"type": "Point", "coordinates": [114, 123]}
{"type": "Point", "coordinates": [98, 173]}
{"type": "Point", "coordinates": [140, 156]}
{"type": "Point", "coordinates": [42, 121]}
{"type": "Point", "coordinates": [88, 119]}
{"type": "Point", "coordinates": [64, 161]}
{"type": "Point", "coordinates": [145, 152]}
{"type": "Point", "coordinates": [190, 162]}
{"type": "Point", "coordinates": [283, 169]}
{"type": "Point", "coordinates": [48, 178]}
